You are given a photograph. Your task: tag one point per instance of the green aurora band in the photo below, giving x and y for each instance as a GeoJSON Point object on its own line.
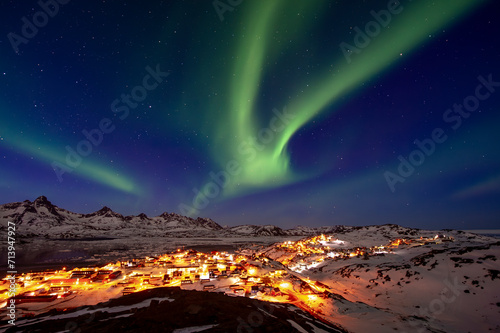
{"type": "Point", "coordinates": [35, 146]}
{"type": "Point", "coordinates": [238, 117]}
{"type": "Point", "coordinates": [270, 167]}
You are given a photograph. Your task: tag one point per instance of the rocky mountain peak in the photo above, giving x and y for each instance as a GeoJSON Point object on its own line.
{"type": "Point", "coordinates": [170, 216]}
{"type": "Point", "coordinates": [106, 211]}
{"type": "Point", "coordinates": [208, 223]}
{"type": "Point", "coordinates": [42, 201]}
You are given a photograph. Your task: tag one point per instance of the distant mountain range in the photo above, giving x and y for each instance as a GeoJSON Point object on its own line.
{"type": "Point", "coordinates": [41, 218]}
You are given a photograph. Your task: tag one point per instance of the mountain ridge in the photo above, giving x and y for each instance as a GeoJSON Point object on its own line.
{"type": "Point", "coordinates": [40, 218]}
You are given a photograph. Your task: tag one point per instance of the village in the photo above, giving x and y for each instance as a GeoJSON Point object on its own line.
{"type": "Point", "coordinates": [270, 276]}
{"type": "Point", "coordinates": [302, 255]}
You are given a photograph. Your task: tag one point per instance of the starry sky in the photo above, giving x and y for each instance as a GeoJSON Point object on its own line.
{"type": "Point", "coordinates": [280, 112]}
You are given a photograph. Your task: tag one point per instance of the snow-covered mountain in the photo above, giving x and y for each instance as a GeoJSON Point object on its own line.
{"type": "Point", "coordinates": [41, 218]}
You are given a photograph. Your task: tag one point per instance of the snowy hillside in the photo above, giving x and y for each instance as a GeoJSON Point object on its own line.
{"type": "Point", "coordinates": [409, 280]}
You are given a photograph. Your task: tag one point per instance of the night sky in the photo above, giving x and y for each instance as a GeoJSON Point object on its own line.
{"type": "Point", "coordinates": [263, 112]}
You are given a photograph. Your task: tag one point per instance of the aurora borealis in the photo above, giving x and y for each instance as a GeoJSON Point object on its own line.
{"type": "Point", "coordinates": [281, 113]}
